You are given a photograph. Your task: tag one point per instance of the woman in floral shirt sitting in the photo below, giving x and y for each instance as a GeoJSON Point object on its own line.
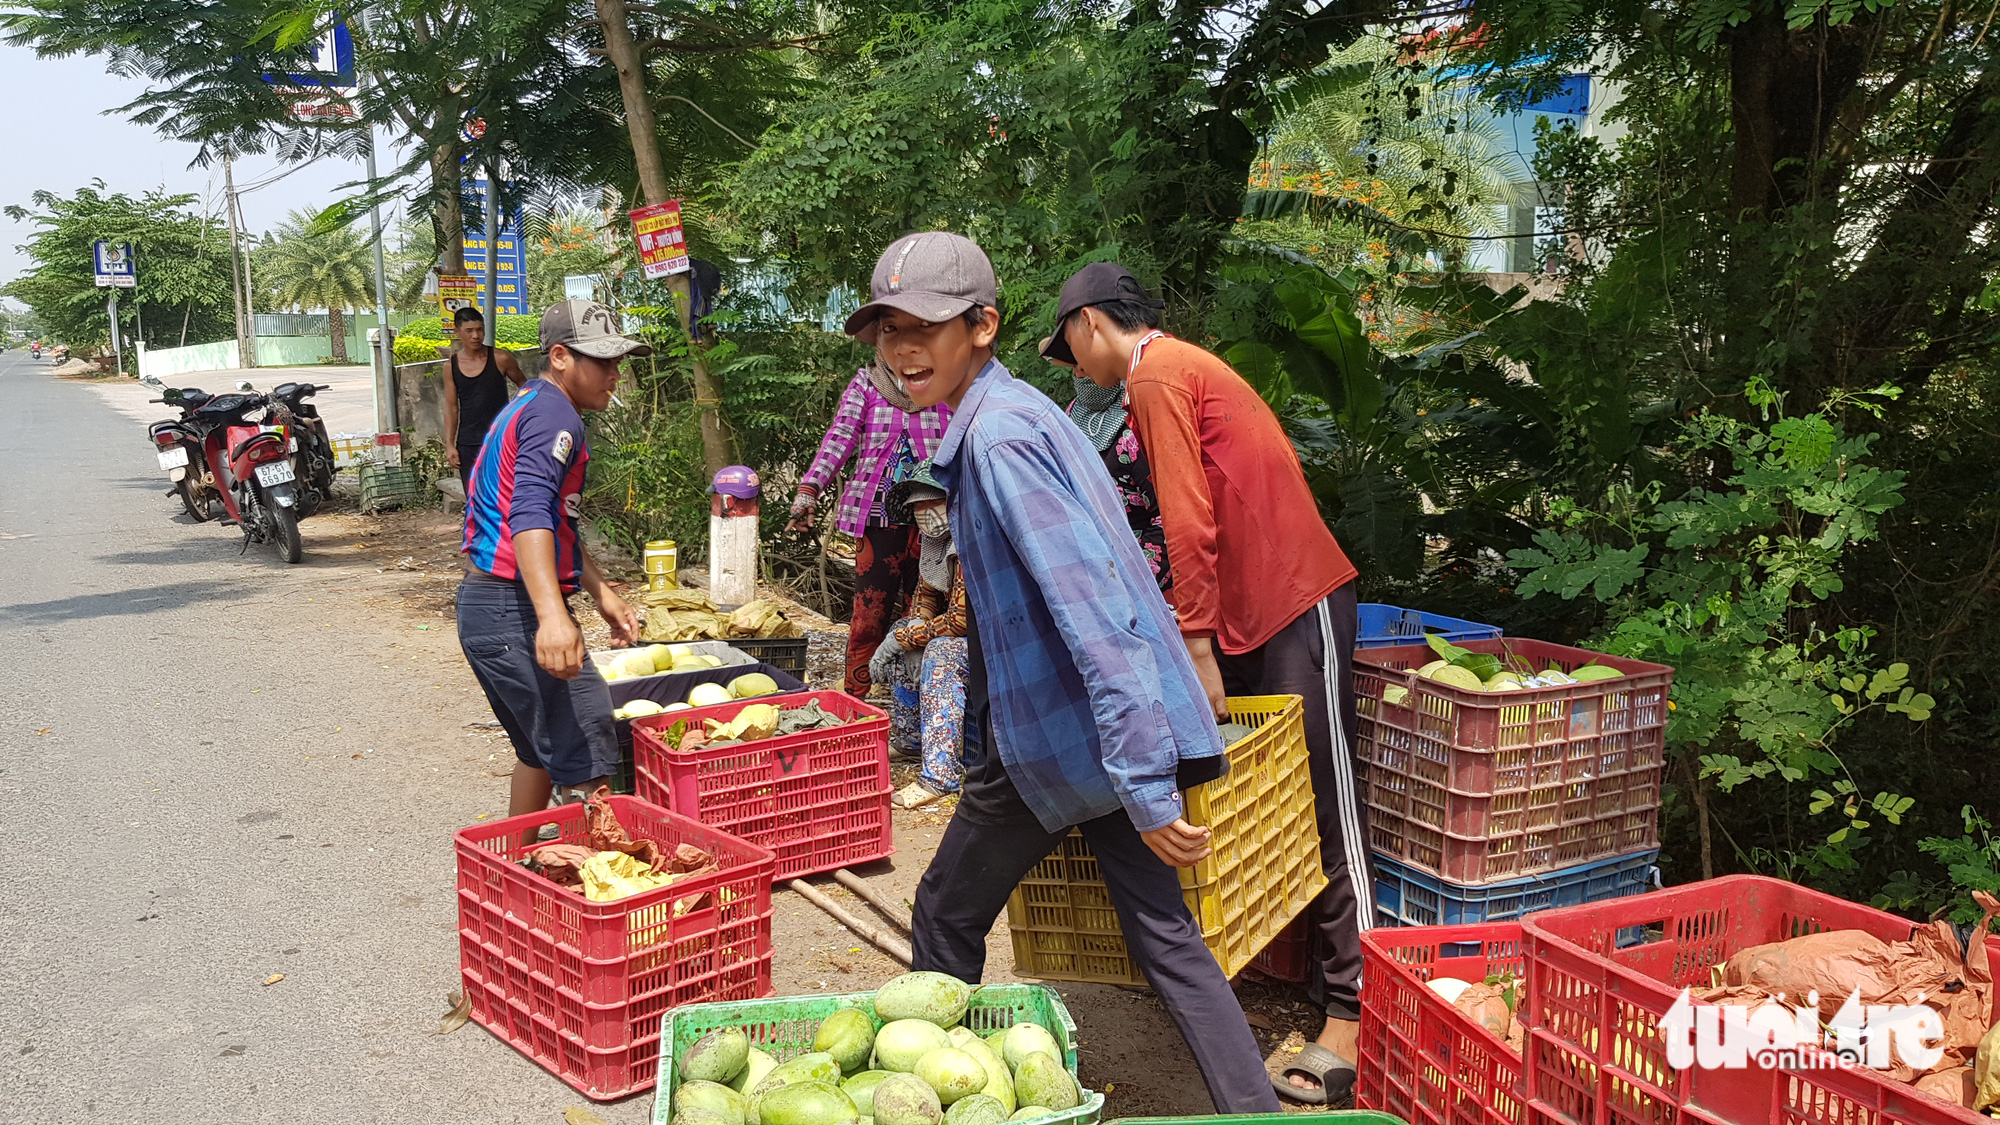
{"type": "Point", "coordinates": [926, 656]}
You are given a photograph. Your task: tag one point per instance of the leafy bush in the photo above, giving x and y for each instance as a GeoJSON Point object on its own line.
{"type": "Point", "coordinates": [1727, 582]}
{"type": "Point", "coordinates": [418, 341]}
{"type": "Point", "coordinates": [516, 329]}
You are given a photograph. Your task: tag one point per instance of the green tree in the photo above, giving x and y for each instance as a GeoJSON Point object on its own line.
{"type": "Point", "coordinates": [1392, 128]}
{"type": "Point", "coordinates": [575, 240]}
{"type": "Point", "coordinates": [1055, 134]}
{"type": "Point", "coordinates": [1798, 206]}
{"type": "Point", "coordinates": [314, 265]}
{"type": "Point", "coordinates": [182, 270]}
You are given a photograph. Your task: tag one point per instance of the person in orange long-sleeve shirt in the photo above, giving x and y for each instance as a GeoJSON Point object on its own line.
{"type": "Point", "coordinates": [1263, 594]}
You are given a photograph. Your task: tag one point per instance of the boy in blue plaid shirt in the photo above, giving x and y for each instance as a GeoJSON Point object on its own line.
{"type": "Point", "coordinates": [1083, 708]}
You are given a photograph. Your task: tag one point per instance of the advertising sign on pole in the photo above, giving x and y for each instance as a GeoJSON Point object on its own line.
{"type": "Point", "coordinates": [456, 291]}
{"type": "Point", "coordinates": [324, 85]}
{"type": "Point", "coordinates": [113, 263]}
{"type": "Point", "coordinates": [662, 243]}
{"type": "Point", "coordinates": [511, 275]}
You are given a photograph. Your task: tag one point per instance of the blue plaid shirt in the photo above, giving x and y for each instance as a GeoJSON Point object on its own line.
{"type": "Point", "coordinates": [1095, 700]}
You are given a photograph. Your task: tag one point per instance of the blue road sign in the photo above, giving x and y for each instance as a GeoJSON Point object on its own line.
{"type": "Point", "coordinates": [113, 264]}
{"type": "Point", "coordinates": [511, 276]}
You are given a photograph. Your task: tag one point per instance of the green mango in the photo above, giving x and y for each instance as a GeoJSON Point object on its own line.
{"type": "Point", "coordinates": [716, 1057]}
{"type": "Point", "coordinates": [861, 1087]}
{"type": "Point", "coordinates": [975, 1109]}
{"type": "Point", "coordinates": [807, 1103]}
{"type": "Point", "coordinates": [938, 998]}
{"type": "Point", "coordinates": [905, 1099]}
{"type": "Point", "coordinates": [712, 1097]}
{"type": "Point", "coordinates": [849, 1036]}
{"type": "Point", "coordinates": [1041, 1080]}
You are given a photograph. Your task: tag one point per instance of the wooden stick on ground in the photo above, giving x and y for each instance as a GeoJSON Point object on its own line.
{"type": "Point", "coordinates": [891, 910]}
{"type": "Point", "coordinates": [888, 943]}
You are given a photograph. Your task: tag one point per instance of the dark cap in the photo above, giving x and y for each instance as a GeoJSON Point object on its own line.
{"type": "Point", "coordinates": [1094, 284]}
{"type": "Point", "coordinates": [932, 275]}
{"type": "Point", "coordinates": [899, 504]}
{"type": "Point", "coordinates": [588, 328]}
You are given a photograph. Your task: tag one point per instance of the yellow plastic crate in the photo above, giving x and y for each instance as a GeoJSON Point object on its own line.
{"type": "Point", "coordinates": [1264, 869]}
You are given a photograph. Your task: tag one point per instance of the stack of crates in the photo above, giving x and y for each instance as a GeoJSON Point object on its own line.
{"type": "Point", "coordinates": [1486, 806]}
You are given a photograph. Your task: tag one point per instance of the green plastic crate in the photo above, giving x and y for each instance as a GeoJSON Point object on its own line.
{"type": "Point", "coordinates": [388, 486]}
{"type": "Point", "coordinates": [1334, 1117]}
{"type": "Point", "coordinates": [783, 1027]}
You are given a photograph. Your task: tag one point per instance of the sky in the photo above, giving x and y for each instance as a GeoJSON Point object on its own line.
{"type": "Point", "coordinates": [57, 137]}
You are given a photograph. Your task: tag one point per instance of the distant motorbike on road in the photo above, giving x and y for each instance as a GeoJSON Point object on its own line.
{"type": "Point", "coordinates": [251, 463]}
{"type": "Point", "coordinates": [312, 456]}
{"type": "Point", "coordinates": [178, 442]}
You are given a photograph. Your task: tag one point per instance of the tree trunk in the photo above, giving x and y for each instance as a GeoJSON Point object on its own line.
{"type": "Point", "coordinates": [1893, 297]}
{"type": "Point", "coordinates": [448, 217]}
{"type": "Point", "coordinates": [718, 446]}
{"type": "Point", "coordinates": [336, 327]}
{"type": "Point", "coordinates": [1700, 799]}
{"type": "Point", "coordinates": [1787, 89]}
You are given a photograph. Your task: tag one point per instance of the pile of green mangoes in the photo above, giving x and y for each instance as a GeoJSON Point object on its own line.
{"type": "Point", "coordinates": [919, 1068]}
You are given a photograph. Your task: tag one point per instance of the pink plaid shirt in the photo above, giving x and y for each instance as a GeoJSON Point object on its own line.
{"type": "Point", "coordinates": [866, 418]}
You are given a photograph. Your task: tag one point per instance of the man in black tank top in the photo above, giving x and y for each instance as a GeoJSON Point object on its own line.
{"type": "Point", "coordinates": [474, 391]}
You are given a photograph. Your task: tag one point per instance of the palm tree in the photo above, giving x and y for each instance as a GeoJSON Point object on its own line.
{"type": "Point", "coordinates": [311, 267]}
{"type": "Point", "coordinates": [1394, 136]}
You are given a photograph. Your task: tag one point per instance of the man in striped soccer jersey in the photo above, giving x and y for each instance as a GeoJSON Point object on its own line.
{"type": "Point", "coordinates": [514, 621]}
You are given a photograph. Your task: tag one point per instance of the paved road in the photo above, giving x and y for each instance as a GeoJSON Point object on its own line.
{"type": "Point", "coordinates": [215, 768]}
{"type": "Point", "coordinates": [349, 407]}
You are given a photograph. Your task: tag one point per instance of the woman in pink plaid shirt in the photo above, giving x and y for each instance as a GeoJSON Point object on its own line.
{"type": "Point", "coordinates": [876, 426]}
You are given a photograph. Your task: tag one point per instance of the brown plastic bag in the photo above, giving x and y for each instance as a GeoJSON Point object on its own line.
{"type": "Point", "coordinates": [1954, 1085]}
{"type": "Point", "coordinates": [1931, 968]}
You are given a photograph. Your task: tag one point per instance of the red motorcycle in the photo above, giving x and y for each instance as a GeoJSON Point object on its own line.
{"type": "Point", "coordinates": [251, 466]}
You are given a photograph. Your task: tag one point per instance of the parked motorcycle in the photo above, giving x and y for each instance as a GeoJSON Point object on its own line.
{"type": "Point", "coordinates": [251, 464]}
{"type": "Point", "coordinates": [178, 443]}
{"type": "Point", "coordinates": [312, 457]}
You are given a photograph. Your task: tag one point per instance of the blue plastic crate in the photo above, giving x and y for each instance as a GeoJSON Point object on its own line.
{"type": "Point", "coordinates": [1384, 625]}
{"type": "Point", "coordinates": [1405, 896]}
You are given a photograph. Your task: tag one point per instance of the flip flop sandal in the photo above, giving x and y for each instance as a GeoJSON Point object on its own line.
{"type": "Point", "coordinates": [1334, 1074]}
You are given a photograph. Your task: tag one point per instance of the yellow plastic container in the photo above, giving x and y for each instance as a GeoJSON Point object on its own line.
{"type": "Point", "coordinates": [1264, 869]}
{"type": "Point", "coordinates": [662, 565]}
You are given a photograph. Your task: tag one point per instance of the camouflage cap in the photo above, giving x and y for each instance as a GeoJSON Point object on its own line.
{"type": "Point", "coordinates": [588, 328]}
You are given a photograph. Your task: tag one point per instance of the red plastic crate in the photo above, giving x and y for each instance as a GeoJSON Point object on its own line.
{"type": "Point", "coordinates": [1601, 976]}
{"type": "Point", "coordinates": [1285, 958]}
{"type": "Point", "coordinates": [1422, 1059]}
{"type": "Point", "coordinates": [1478, 787]}
{"type": "Point", "coordinates": [819, 799]}
{"type": "Point", "coordinates": [580, 986]}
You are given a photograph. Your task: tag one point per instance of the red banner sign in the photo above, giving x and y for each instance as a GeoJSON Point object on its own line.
{"type": "Point", "coordinates": [662, 244]}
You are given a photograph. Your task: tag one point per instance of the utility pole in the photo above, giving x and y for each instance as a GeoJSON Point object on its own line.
{"type": "Point", "coordinates": [385, 350]}
{"type": "Point", "coordinates": [117, 349]}
{"type": "Point", "coordinates": [249, 286]}
{"type": "Point", "coordinates": [244, 355]}
{"type": "Point", "coordinates": [492, 208]}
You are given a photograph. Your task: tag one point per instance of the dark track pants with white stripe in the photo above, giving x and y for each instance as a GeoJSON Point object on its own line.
{"type": "Point", "coordinates": [1312, 657]}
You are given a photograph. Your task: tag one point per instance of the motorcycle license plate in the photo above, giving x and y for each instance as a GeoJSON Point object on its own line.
{"type": "Point", "coordinates": [274, 472]}
{"type": "Point", "coordinates": [175, 458]}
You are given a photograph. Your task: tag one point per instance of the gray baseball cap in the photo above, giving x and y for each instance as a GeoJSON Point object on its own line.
{"type": "Point", "coordinates": [932, 275]}
{"type": "Point", "coordinates": [588, 328]}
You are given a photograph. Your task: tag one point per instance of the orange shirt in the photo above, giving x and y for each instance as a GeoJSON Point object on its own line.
{"type": "Point", "coordinates": [1249, 550]}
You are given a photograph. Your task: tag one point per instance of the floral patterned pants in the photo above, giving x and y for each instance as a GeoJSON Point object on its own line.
{"type": "Point", "coordinates": [885, 575]}
{"type": "Point", "coordinates": [929, 710]}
